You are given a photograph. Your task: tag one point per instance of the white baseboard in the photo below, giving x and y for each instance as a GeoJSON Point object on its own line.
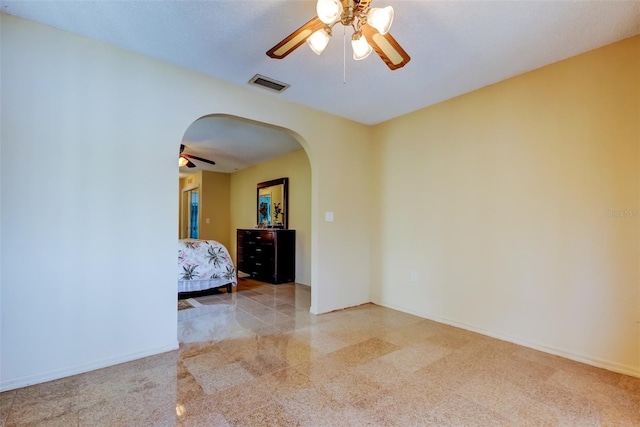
{"type": "Point", "coordinates": [316, 310]}
{"type": "Point", "coordinates": [28, 380]}
{"type": "Point", "coordinates": [593, 361]}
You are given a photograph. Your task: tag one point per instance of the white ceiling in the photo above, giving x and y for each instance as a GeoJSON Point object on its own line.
{"type": "Point", "coordinates": [455, 46]}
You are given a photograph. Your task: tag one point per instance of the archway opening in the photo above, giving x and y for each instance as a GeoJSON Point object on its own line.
{"type": "Point", "coordinates": [246, 153]}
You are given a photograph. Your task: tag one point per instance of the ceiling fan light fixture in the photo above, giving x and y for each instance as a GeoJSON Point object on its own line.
{"type": "Point", "coordinates": [361, 49]}
{"type": "Point", "coordinates": [329, 11]}
{"type": "Point", "coordinates": [319, 40]}
{"type": "Point", "coordinates": [380, 18]}
{"type": "Point", "coordinates": [369, 24]}
{"type": "Point", "coordinates": [182, 162]}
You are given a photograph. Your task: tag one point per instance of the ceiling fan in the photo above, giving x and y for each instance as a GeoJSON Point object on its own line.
{"type": "Point", "coordinates": [183, 160]}
{"type": "Point", "coordinates": [370, 32]}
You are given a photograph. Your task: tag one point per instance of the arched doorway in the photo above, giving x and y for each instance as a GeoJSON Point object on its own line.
{"type": "Point", "coordinates": [245, 153]}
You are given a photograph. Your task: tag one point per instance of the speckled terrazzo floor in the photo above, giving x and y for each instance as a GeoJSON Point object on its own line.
{"type": "Point", "coordinates": [273, 363]}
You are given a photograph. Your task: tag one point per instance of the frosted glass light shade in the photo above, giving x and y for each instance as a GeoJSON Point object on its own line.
{"type": "Point", "coordinates": [381, 18]}
{"type": "Point", "coordinates": [182, 162]}
{"type": "Point", "coordinates": [329, 11]}
{"type": "Point", "coordinates": [361, 48]}
{"type": "Point", "coordinates": [318, 41]}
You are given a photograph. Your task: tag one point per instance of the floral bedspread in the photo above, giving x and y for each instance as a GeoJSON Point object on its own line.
{"type": "Point", "coordinates": [204, 264]}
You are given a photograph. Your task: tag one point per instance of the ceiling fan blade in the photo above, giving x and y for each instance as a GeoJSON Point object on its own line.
{"type": "Point", "coordinates": [189, 156]}
{"type": "Point", "coordinates": [386, 47]}
{"type": "Point", "coordinates": [190, 164]}
{"type": "Point", "coordinates": [295, 39]}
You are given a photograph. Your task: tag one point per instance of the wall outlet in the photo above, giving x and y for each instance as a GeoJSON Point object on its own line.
{"type": "Point", "coordinates": [413, 276]}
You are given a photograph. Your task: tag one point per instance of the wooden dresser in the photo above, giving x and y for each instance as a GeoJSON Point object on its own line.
{"type": "Point", "coordinates": [268, 255]}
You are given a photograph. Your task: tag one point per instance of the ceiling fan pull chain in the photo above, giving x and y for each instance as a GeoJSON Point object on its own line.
{"type": "Point", "coordinates": [344, 55]}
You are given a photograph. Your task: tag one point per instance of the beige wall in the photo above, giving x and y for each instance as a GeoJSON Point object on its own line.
{"type": "Point", "coordinates": [296, 167]}
{"type": "Point", "coordinates": [216, 207]}
{"type": "Point", "coordinates": [500, 201]}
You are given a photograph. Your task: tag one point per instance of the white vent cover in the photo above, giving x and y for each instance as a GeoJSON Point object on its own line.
{"type": "Point", "coordinates": [268, 83]}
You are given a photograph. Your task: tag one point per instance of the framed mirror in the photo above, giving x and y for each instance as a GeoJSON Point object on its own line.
{"type": "Point", "coordinates": [272, 203]}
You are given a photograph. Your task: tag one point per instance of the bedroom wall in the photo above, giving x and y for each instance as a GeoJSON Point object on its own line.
{"type": "Point", "coordinates": [216, 206]}
{"type": "Point", "coordinates": [517, 207]}
{"type": "Point", "coordinates": [79, 255]}
{"type": "Point", "coordinates": [296, 167]}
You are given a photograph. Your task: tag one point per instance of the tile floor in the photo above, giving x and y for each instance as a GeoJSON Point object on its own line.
{"type": "Point", "coordinates": [273, 363]}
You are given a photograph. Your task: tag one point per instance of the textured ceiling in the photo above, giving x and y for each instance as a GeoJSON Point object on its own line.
{"type": "Point", "coordinates": [455, 46]}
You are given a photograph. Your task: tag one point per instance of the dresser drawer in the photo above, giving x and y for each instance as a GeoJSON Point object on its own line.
{"type": "Point", "coordinates": [255, 236]}
{"type": "Point", "coordinates": [260, 268]}
{"type": "Point", "coordinates": [264, 250]}
{"type": "Point", "coordinates": [264, 237]}
{"type": "Point", "coordinates": [258, 258]}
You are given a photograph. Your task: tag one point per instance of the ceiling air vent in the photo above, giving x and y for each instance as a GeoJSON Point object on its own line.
{"type": "Point", "coordinates": [268, 83]}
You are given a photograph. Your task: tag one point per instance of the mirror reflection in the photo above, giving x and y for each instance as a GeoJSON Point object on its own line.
{"type": "Point", "coordinates": [272, 203]}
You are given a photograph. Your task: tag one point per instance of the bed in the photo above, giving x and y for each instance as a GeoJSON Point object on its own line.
{"type": "Point", "coordinates": [204, 265]}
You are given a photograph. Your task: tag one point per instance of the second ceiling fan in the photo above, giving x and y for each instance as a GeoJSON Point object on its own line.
{"type": "Point", "coordinates": [183, 160]}
{"type": "Point", "coordinates": [370, 32]}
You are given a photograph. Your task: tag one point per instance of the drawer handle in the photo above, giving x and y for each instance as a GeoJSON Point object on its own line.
{"type": "Point", "coordinates": [258, 237]}
{"type": "Point", "coordinates": [258, 250]}
{"type": "Point", "coordinates": [258, 263]}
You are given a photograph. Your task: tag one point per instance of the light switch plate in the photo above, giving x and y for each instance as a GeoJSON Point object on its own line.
{"type": "Point", "coordinates": [328, 216]}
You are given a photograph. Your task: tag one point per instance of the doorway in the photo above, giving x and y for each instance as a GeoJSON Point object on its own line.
{"type": "Point", "coordinates": [190, 211]}
{"type": "Point", "coordinates": [246, 153]}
